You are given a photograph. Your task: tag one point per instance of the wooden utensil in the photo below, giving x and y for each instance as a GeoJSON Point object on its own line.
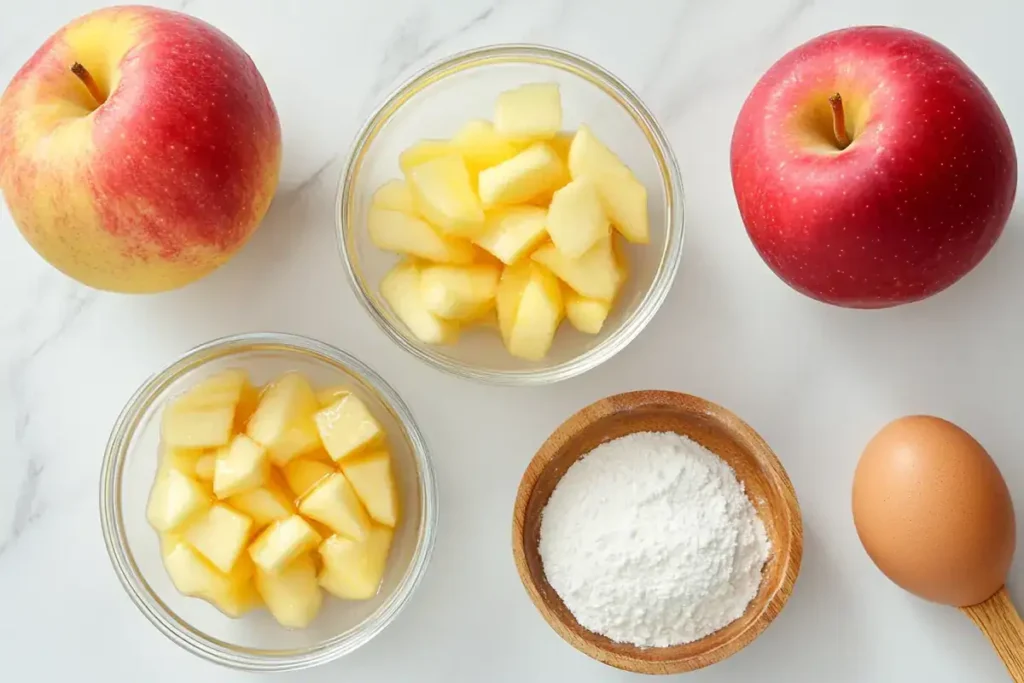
{"type": "Point", "coordinates": [1001, 624]}
{"type": "Point", "coordinates": [721, 432]}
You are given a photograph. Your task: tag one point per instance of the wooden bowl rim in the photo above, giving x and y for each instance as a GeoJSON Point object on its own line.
{"type": "Point", "coordinates": [789, 561]}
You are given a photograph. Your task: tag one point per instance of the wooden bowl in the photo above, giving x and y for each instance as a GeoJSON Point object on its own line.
{"type": "Point", "coordinates": [715, 428]}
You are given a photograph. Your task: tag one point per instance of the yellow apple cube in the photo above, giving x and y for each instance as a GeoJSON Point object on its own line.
{"type": "Point", "coordinates": [443, 193]}
{"type": "Point", "coordinates": [585, 314]}
{"type": "Point", "coordinates": [424, 151]}
{"type": "Point", "coordinates": [206, 466]}
{"type": "Point", "coordinates": [373, 480]}
{"type": "Point", "coordinates": [334, 503]}
{"type": "Point", "coordinates": [623, 196]}
{"type": "Point", "coordinates": [292, 595]}
{"type": "Point", "coordinates": [282, 542]}
{"type": "Point", "coordinates": [233, 594]}
{"type": "Point", "coordinates": [346, 426]}
{"type": "Point", "coordinates": [223, 389]}
{"type": "Point", "coordinates": [529, 328]}
{"type": "Point", "coordinates": [481, 146]}
{"type": "Point", "coordinates": [531, 111]}
{"type": "Point", "coordinates": [510, 233]}
{"type": "Point", "coordinates": [595, 274]}
{"type": "Point", "coordinates": [352, 570]}
{"type": "Point", "coordinates": [576, 219]}
{"type": "Point", "coordinates": [284, 404]}
{"type": "Point", "coordinates": [326, 397]}
{"type": "Point", "coordinates": [175, 499]}
{"type": "Point", "coordinates": [534, 171]}
{"type": "Point", "coordinates": [394, 195]}
{"type": "Point", "coordinates": [458, 292]}
{"type": "Point", "coordinates": [303, 474]}
{"type": "Point", "coordinates": [561, 144]}
{"type": "Point", "coordinates": [189, 427]}
{"type": "Point", "coordinates": [220, 535]}
{"type": "Point", "coordinates": [401, 289]}
{"type": "Point", "coordinates": [406, 234]}
{"type": "Point", "coordinates": [264, 505]}
{"type": "Point", "coordinates": [240, 467]}
{"type": "Point", "coordinates": [301, 438]}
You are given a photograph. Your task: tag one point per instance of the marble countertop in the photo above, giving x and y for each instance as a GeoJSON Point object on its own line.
{"type": "Point", "coordinates": [816, 381]}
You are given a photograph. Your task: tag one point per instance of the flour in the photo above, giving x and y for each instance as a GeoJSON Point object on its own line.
{"type": "Point", "coordinates": [651, 540]}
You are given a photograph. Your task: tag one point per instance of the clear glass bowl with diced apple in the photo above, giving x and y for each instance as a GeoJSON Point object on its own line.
{"type": "Point", "coordinates": [268, 502]}
{"type": "Point", "coordinates": [512, 214]}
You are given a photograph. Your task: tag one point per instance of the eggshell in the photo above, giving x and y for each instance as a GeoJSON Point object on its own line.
{"type": "Point", "coordinates": [933, 511]}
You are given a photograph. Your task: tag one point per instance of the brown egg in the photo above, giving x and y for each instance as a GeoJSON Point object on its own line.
{"type": "Point", "coordinates": [933, 511]}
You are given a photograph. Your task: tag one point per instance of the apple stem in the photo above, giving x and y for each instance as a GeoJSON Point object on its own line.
{"type": "Point", "coordinates": [90, 83]}
{"type": "Point", "coordinates": [839, 121]}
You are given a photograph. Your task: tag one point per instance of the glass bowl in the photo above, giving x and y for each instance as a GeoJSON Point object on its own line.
{"type": "Point", "coordinates": [255, 641]}
{"type": "Point", "coordinates": [433, 104]}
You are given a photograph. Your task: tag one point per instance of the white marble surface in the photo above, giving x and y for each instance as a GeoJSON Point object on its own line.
{"type": "Point", "coordinates": [815, 381]}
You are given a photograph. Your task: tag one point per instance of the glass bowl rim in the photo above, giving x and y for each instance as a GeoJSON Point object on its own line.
{"type": "Point", "coordinates": [615, 88]}
{"type": "Point", "coordinates": [115, 538]}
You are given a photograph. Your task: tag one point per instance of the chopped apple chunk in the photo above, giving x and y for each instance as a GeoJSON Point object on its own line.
{"type": "Point", "coordinates": [353, 569]}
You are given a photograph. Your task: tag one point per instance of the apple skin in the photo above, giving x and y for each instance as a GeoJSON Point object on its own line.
{"type": "Point", "coordinates": [163, 181]}
{"type": "Point", "coordinates": [915, 201]}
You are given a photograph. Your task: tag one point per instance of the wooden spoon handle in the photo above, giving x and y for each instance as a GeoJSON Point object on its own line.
{"type": "Point", "coordinates": [998, 620]}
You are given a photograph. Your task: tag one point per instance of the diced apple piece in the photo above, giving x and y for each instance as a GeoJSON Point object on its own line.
{"type": "Point", "coordinates": [539, 312]}
{"type": "Point", "coordinates": [394, 195]}
{"type": "Point", "coordinates": [292, 595]}
{"type": "Point", "coordinates": [406, 234]}
{"type": "Point", "coordinates": [206, 466]}
{"type": "Point", "coordinates": [302, 475]}
{"type": "Point", "coordinates": [192, 575]}
{"type": "Point", "coordinates": [481, 146]}
{"type": "Point", "coordinates": [443, 193]}
{"type": "Point", "coordinates": [623, 196]}
{"type": "Point", "coordinates": [334, 502]}
{"type": "Point", "coordinates": [282, 542]}
{"type": "Point", "coordinates": [531, 111]}
{"type": "Point", "coordinates": [586, 314]}
{"type": "Point", "coordinates": [264, 505]}
{"type": "Point", "coordinates": [220, 535]}
{"type": "Point", "coordinates": [353, 569]}
{"type": "Point", "coordinates": [197, 427]}
{"type": "Point", "coordinates": [326, 397]}
{"type": "Point", "coordinates": [533, 172]}
{"type": "Point", "coordinates": [182, 459]}
{"type": "Point", "coordinates": [596, 274]}
{"type": "Point", "coordinates": [576, 219]}
{"type": "Point", "coordinates": [486, 320]}
{"type": "Point", "coordinates": [217, 391]}
{"type": "Point", "coordinates": [240, 467]}
{"type": "Point", "coordinates": [347, 426]}
{"type": "Point", "coordinates": [510, 292]}
{"type": "Point", "coordinates": [458, 292]}
{"type": "Point", "coordinates": [301, 438]}
{"type": "Point", "coordinates": [174, 500]}
{"type": "Point", "coordinates": [284, 404]}
{"type": "Point", "coordinates": [510, 233]}
{"type": "Point", "coordinates": [401, 289]}
{"type": "Point", "coordinates": [424, 151]}
{"type": "Point", "coordinates": [372, 478]}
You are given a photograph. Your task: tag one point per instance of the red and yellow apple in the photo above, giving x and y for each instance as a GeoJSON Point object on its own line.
{"type": "Point", "coordinates": [139, 149]}
{"type": "Point", "coordinates": [872, 168]}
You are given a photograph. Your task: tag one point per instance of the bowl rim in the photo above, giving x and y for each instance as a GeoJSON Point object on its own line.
{"type": "Point", "coordinates": [115, 538]}
{"type": "Point", "coordinates": [584, 68]}
{"type": "Point", "coordinates": [791, 561]}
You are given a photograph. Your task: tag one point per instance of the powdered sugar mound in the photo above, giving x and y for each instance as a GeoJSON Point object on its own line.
{"type": "Point", "coordinates": [650, 539]}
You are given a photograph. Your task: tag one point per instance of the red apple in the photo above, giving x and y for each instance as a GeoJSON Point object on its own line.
{"type": "Point", "coordinates": [139, 149]}
{"type": "Point", "coordinates": [903, 208]}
